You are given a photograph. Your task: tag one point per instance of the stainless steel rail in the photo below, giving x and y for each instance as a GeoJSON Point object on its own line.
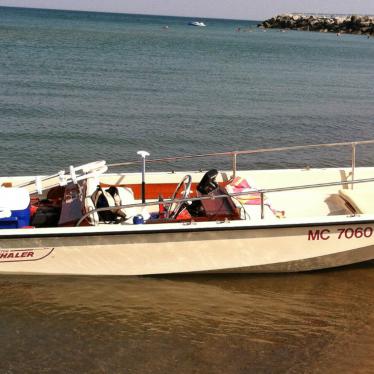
{"type": "Point", "coordinates": [235, 154]}
{"type": "Point", "coordinates": [262, 192]}
{"type": "Point", "coordinates": [232, 154]}
{"type": "Point", "coordinates": [244, 152]}
{"type": "Point", "coordinates": [353, 163]}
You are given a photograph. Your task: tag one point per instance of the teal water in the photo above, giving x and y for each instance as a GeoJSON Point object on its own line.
{"type": "Point", "coordinates": [76, 87]}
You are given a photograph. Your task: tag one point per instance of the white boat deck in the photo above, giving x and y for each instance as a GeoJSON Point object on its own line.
{"type": "Point", "coordinates": [315, 202]}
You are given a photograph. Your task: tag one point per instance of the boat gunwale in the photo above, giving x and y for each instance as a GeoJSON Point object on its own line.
{"type": "Point", "coordinates": [184, 227]}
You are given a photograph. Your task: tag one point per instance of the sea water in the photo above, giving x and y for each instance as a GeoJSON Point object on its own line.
{"type": "Point", "coordinates": [77, 87]}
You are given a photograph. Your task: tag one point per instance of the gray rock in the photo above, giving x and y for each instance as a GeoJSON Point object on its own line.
{"type": "Point", "coordinates": [338, 24]}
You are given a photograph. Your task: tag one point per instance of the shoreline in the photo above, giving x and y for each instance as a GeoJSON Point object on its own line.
{"type": "Point", "coordinates": [354, 24]}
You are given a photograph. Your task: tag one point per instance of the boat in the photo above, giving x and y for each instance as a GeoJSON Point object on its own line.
{"type": "Point", "coordinates": [197, 23]}
{"type": "Point", "coordinates": [101, 219]}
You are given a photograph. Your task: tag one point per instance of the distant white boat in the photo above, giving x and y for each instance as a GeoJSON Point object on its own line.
{"type": "Point", "coordinates": [196, 23]}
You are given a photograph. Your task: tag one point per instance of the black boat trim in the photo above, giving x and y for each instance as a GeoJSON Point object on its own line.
{"type": "Point", "coordinates": [184, 230]}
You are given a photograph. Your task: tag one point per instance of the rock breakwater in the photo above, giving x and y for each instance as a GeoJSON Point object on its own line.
{"type": "Point", "coordinates": [338, 24]}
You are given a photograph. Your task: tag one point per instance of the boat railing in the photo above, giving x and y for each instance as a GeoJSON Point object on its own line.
{"type": "Point", "coordinates": [234, 155]}
{"type": "Point", "coordinates": [262, 193]}
{"type": "Point", "coordinates": [64, 177]}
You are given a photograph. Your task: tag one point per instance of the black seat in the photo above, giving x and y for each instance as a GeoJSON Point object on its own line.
{"type": "Point", "coordinates": [208, 182]}
{"type": "Point", "coordinates": [207, 185]}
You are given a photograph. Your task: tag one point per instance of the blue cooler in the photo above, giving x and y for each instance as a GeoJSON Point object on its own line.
{"type": "Point", "coordinates": [14, 208]}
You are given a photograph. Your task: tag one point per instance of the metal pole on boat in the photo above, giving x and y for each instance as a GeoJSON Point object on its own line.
{"type": "Point", "coordinates": [353, 163]}
{"type": "Point", "coordinates": [262, 205]}
{"type": "Point", "coordinates": [143, 155]}
{"type": "Point", "coordinates": [234, 155]}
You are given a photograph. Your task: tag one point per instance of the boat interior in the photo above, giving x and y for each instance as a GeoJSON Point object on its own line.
{"type": "Point", "coordinates": [89, 196]}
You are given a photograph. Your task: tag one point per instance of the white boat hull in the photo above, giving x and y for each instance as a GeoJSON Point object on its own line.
{"type": "Point", "coordinates": [301, 229]}
{"type": "Point", "coordinates": [218, 248]}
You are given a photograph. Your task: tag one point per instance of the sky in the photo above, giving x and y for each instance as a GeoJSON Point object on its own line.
{"type": "Point", "coordinates": [236, 9]}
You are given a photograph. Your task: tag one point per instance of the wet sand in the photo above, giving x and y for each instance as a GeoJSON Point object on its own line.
{"type": "Point", "coordinates": [320, 322]}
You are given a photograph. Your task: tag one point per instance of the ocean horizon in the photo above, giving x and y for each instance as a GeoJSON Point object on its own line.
{"type": "Point", "coordinates": [129, 14]}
